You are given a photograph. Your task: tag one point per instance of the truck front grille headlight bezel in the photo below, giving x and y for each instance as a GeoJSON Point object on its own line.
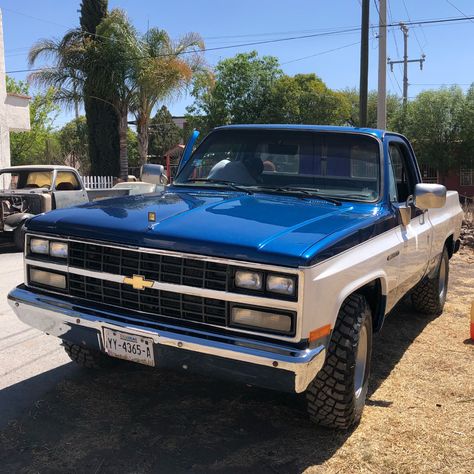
{"type": "Point", "coordinates": [267, 320]}
{"type": "Point", "coordinates": [269, 287]}
{"type": "Point", "coordinates": [41, 278]}
{"type": "Point", "coordinates": [248, 279]}
{"type": "Point", "coordinates": [42, 248]}
{"type": "Point", "coordinates": [39, 246]}
{"type": "Point", "coordinates": [281, 284]}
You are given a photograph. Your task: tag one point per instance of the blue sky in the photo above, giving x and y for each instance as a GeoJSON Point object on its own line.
{"type": "Point", "coordinates": [448, 47]}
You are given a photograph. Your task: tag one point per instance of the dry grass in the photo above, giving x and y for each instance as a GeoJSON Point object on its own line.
{"type": "Point", "coordinates": [419, 417]}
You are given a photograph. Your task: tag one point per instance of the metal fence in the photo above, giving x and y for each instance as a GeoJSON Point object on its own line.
{"type": "Point", "coordinates": [98, 182]}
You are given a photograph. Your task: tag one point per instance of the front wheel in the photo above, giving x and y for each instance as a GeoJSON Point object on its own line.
{"type": "Point", "coordinates": [429, 296]}
{"type": "Point", "coordinates": [336, 397]}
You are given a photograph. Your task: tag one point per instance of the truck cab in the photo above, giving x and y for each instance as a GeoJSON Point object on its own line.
{"type": "Point", "coordinates": [272, 259]}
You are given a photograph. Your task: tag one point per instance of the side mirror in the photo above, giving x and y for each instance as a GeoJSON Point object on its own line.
{"type": "Point", "coordinates": [429, 196]}
{"type": "Point", "coordinates": [153, 174]}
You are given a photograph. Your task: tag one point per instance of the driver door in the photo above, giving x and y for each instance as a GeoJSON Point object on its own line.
{"type": "Point", "coordinates": [68, 190]}
{"type": "Point", "coordinates": [417, 235]}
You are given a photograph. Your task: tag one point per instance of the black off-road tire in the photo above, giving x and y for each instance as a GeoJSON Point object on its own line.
{"type": "Point", "coordinates": [19, 237]}
{"type": "Point", "coordinates": [336, 397]}
{"type": "Point", "coordinates": [429, 296]}
{"type": "Point", "coordinates": [87, 358]}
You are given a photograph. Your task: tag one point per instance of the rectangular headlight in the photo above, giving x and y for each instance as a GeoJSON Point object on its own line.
{"type": "Point", "coordinates": [40, 246]}
{"type": "Point", "coordinates": [284, 285]}
{"type": "Point", "coordinates": [248, 280]}
{"type": "Point", "coordinates": [261, 319]}
{"type": "Point", "coordinates": [58, 249]}
{"type": "Point", "coordinates": [48, 278]}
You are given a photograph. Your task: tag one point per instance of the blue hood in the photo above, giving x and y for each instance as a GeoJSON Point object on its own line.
{"type": "Point", "coordinates": [273, 229]}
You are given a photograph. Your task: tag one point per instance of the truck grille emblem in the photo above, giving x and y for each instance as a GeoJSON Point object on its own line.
{"type": "Point", "coordinates": [138, 282]}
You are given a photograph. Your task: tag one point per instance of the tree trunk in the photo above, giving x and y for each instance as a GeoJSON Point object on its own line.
{"type": "Point", "coordinates": [123, 129]}
{"type": "Point", "coordinates": [142, 137]}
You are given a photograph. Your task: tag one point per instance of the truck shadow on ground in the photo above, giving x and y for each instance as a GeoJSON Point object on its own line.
{"type": "Point", "coordinates": [143, 420]}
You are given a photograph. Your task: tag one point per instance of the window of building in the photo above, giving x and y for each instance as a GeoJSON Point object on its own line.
{"type": "Point", "coordinates": [466, 177]}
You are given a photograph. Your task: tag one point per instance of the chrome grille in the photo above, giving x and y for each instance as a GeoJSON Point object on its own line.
{"type": "Point", "coordinates": [150, 301]}
{"type": "Point", "coordinates": [153, 266]}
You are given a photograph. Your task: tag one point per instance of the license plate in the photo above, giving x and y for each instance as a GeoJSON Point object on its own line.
{"type": "Point", "coordinates": [128, 346]}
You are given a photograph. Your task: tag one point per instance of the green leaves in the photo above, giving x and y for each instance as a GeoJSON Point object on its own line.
{"type": "Point", "coordinates": [39, 144]}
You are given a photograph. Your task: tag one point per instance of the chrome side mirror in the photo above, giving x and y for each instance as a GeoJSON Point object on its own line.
{"type": "Point", "coordinates": [429, 196]}
{"type": "Point", "coordinates": [152, 174]}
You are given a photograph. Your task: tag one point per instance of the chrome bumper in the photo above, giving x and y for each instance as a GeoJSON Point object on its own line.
{"type": "Point", "coordinates": [62, 318]}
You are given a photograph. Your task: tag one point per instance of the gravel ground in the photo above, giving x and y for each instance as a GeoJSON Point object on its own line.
{"type": "Point", "coordinates": [419, 416]}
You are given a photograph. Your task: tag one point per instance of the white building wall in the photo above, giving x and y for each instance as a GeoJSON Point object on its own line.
{"type": "Point", "coordinates": [14, 110]}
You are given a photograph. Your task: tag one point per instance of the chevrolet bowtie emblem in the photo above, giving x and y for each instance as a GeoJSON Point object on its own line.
{"type": "Point", "coordinates": [138, 282]}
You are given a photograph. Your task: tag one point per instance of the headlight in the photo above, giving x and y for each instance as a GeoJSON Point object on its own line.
{"type": "Point", "coordinates": [48, 278]}
{"type": "Point", "coordinates": [248, 280]}
{"type": "Point", "coordinates": [261, 319]}
{"type": "Point", "coordinates": [281, 284]}
{"type": "Point", "coordinates": [39, 246]}
{"type": "Point", "coordinates": [58, 249]}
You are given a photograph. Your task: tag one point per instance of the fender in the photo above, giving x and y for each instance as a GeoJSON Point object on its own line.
{"type": "Point", "coordinates": [15, 220]}
{"type": "Point", "coordinates": [360, 283]}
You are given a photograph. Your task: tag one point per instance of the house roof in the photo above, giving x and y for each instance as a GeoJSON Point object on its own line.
{"type": "Point", "coordinates": [22, 96]}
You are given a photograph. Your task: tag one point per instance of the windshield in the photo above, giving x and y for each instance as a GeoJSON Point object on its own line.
{"type": "Point", "coordinates": [26, 179]}
{"type": "Point", "coordinates": [342, 165]}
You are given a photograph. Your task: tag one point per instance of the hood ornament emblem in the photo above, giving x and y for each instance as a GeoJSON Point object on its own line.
{"type": "Point", "coordinates": [138, 282]}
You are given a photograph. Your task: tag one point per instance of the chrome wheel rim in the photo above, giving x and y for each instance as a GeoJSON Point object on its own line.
{"type": "Point", "coordinates": [361, 362]}
{"type": "Point", "coordinates": [442, 280]}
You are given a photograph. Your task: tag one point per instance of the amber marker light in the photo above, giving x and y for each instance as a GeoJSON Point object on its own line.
{"type": "Point", "coordinates": [319, 333]}
{"type": "Point", "coordinates": [152, 217]}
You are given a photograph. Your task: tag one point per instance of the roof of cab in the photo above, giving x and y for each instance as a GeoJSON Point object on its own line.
{"type": "Point", "coordinates": [315, 128]}
{"type": "Point", "coordinates": [37, 168]}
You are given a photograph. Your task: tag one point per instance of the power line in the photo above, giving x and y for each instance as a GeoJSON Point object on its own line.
{"type": "Point", "coordinates": [441, 84]}
{"type": "Point", "coordinates": [456, 8]}
{"type": "Point", "coordinates": [320, 53]}
{"type": "Point", "coordinates": [290, 38]}
{"type": "Point", "coordinates": [414, 31]}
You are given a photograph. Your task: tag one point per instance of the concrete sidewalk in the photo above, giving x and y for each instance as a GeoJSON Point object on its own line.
{"type": "Point", "coordinates": [25, 353]}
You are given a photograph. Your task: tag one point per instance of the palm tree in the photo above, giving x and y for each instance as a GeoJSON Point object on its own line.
{"type": "Point", "coordinates": [166, 71]}
{"type": "Point", "coordinates": [141, 70]}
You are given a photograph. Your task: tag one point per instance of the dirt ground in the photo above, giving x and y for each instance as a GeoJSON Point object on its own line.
{"type": "Point", "coordinates": [419, 416]}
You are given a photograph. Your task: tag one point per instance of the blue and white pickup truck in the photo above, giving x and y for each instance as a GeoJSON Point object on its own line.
{"type": "Point", "coordinates": [272, 259]}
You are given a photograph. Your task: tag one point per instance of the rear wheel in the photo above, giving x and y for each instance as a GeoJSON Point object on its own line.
{"type": "Point", "coordinates": [336, 397]}
{"type": "Point", "coordinates": [429, 296]}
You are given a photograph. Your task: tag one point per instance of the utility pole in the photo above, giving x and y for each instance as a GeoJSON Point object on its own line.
{"type": "Point", "coordinates": [364, 63]}
{"type": "Point", "coordinates": [382, 83]}
{"type": "Point", "coordinates": [405, 62]}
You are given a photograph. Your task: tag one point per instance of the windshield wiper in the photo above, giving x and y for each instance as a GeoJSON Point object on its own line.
{"type": "Point", "coordinates": [224, 182]}
{"type": "Point", "coordinates": [301, 192]}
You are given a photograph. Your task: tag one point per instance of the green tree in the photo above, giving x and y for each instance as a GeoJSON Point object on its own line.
{"type": "Point", "coordinates": [166, 72]}
{"type": "Point", "coordinates": [102, 121]}
{"type": "Point", "coordinates": [433, 124]}
{"type": "Point", "coordinates": [394, 109]}
{"type": "Point", "coordinates": [237, 92]}
{"type": "Point", "coordinates": [132, 149]}
{"type": "Point", "coordinates": [140, 70]}
{"type": "Point", "coordinates": [73, 139]}
{"type": "Point", "coordinates": [164, 133]}
{"type": "Point", "coordinates": [305, 98]}
{"type": "Point", "coordinates": [38, 144]}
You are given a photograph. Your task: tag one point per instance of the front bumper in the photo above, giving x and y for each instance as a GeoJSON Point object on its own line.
{"type": "Point", "coordinates": [263, 364]}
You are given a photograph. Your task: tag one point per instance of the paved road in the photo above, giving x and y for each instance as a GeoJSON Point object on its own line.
{"type": "Point", "coordinates": [27, 356]}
